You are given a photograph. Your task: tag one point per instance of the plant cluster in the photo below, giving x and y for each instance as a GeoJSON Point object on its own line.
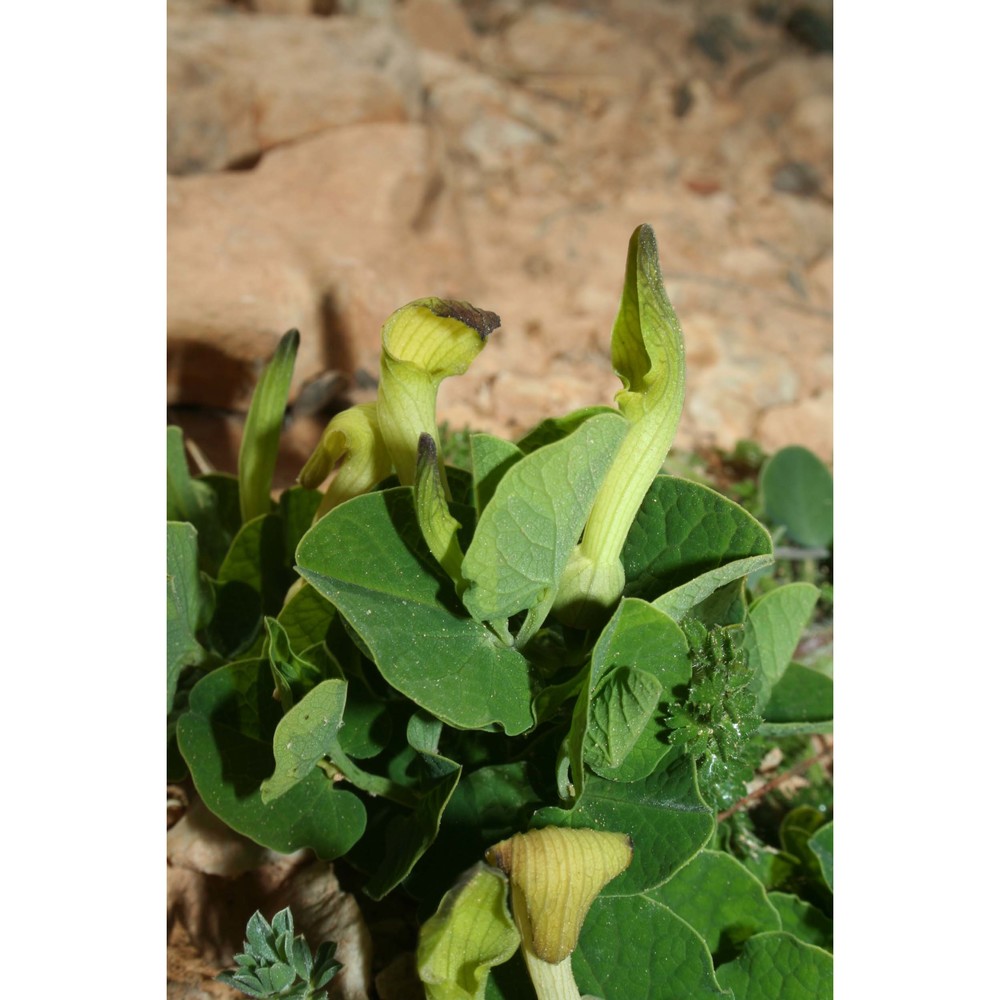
{"type": "Point", "coordinates": [519, 692]}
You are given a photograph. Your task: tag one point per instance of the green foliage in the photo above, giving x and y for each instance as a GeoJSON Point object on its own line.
{"type": "Point", "coordinates": [779, 966]}
{"type": "Point", "coordinates": [774, 624]}
{"type": "Point", "coordinates": [686, 542]}
{"type": "Point", "coordinates": [529, 527]}
{"type": "Point", "coordinates": [278, 963]}
{"type": "Point", "coordinates": [427, 666]}
{"type": "Point", "coordinates": [259, 450]}
{"type": "Point", "coordinates": [798, 494]}
{"type": "Point", "coordinates": [189, 604]}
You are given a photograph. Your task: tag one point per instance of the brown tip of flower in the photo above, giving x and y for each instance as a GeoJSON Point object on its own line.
{"type": "Point", "coordinates": [499, 855]}
{"type": "Point", "coordinates": [482, 321]}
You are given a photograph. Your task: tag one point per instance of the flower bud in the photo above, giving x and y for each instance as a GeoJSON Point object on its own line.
{"type": "Point", "coordinates": [647, 351]}
{"type": "Point", "coordinates": [352, 439]}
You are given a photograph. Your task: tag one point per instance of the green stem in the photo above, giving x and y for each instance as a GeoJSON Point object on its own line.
{"type": "Point", "coordinates": [407, 408]}
{"type": "Point", "coordinates": [533, 620]}
{"type": "Point", "coordinates": [501, 629]}
{"type": "Point", "coordinates": [551, 981]}
{"type": "Point", "coordinates": [621, 494]}
{"type": "Point", "coordinates": [341, 766]}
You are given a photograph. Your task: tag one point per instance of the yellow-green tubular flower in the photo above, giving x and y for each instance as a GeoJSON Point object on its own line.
{"type": "Point", "coordinates": [647, 351]}
{"type": "Point", "coordinates": [422, 344]}
{"type": "Point", "coordinates": [354, 440]}
{"type": "Point", "coordinates": [555, 875]}
{"type": "Point", "coordinates": [471, 932]}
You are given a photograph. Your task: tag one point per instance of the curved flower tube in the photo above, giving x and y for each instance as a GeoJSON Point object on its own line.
{"type": "Point", "coordinates": [422, 344]}
{"type": "Point", "coordinates": [647, 351]}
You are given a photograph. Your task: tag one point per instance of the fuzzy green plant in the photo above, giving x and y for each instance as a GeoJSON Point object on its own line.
{"type": "Point", "coordinates": [278, 963]}
{"type": "Point", "coordinates": [715, 723]}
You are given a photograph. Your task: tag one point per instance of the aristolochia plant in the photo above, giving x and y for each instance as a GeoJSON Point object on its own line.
{"type": "Point", "coordinates": [529, 693]}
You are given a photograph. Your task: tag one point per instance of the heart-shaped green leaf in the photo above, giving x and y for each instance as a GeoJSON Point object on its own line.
{"type": "Point", "coordinates": [226, 738]}
{"type": "Point", "coordinates": [691, 540]}
{"type": "Point", "coordinates": [664, 814]}
{"type": "Point", "coordinates": [658, 957]}
{"type": "Point", "coordinates": [306, 734]}
{"type": "Point", "coordinates": [530, 526]}
{"type": "Point", "coordinates": [798, 493]}
{"type": "Point", "coordinates": [774, 624]}
{"type": "Point", "coordinates": [369, 558]}
{"type": "Point", "coordinates": [720, 899]}
{"type": "Point", "coordinates": [639, 637]}
{"type": "Point", "coordinates": [777, 966]}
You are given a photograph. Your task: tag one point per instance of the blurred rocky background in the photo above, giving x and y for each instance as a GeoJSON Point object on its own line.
{"type": "Point", "coordinates": [330, 161]}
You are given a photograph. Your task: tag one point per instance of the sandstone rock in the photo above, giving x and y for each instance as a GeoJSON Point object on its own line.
{"type": "Point", "coordinates": [328, 235]}
{"type": "Point", "coordinates": [724, 398]}
{"type": "Point", "coordinates": [546, 136]}
{"type": "Point", "coordinates": [801, 227]}
{"type": "Point", "coordinates": [240, 84]}
{"type": "Point", "coordinates": [587, 75]}
{"type": "Point", "coordinates": [773, 93]}
{"type": "Point", "coordinates": [302, 8]}
{"type": "Point", "coordinates": [811, 128]}
{"type": "Point", "coordinates": [820, 277]}
{"type": "Point", "coordinates": [702, 340]}
{"type": "Point", "coordinates": [178, 8]}
{"type": "Point", "coordinates": [493, 133]}
{"type": "Point", "coordinates": [373, 9]}
{"type": "Point", "coordinates": [438, 26]}
{"type": "Point", "coordinates": [754, 264]}
{"type": "Point", "coordinates": [546, 41]}
{"type": "Point", "coordinates": [806, 422]}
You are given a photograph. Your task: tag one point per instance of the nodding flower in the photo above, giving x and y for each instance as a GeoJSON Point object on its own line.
{"type": "Point", "coordinates": [422, 344]}
{"type": "Point", "coordinates": [352, 444]}
{"type": "Point", "coordinates": [647, 351]}
{"type": "Point", "coordinates": [555, 875]}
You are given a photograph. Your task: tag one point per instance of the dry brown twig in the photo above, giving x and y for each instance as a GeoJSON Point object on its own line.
{"type": "Point", "coordinates": [752, 798]}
